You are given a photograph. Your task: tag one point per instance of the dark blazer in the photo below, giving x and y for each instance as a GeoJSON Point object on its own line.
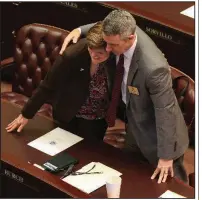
{"type": "Point", "coordinates": [154, 116]}
{"type": "Point", "coordinates": [67, 84]}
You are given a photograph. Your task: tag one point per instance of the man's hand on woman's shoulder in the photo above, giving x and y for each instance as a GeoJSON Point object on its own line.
{"type": "Point", "coordinates": [72, 36]}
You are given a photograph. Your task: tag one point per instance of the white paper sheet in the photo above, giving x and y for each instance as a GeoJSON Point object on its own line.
{"type": "Point", "coordinates": [189, 12]}
{"type": "Point", "coordinates": [55, 141]}
{"type": "Point", "coordinates": [171, 195]}
{"type": "Point", "coordinates": [90, 182]}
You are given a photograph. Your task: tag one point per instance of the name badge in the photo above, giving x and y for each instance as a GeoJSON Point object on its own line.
{"type": "Point", "coordinates": [133, 90]}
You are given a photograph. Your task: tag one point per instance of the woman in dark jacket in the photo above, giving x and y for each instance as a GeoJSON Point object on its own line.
{"type": "Point", "coordinates": [79, 87]}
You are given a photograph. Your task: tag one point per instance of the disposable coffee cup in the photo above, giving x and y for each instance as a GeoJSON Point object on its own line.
{"type": "Point", "coordinates": [113, 186]}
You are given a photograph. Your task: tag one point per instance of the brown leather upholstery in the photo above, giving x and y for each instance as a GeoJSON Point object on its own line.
{"type": "Point", "coordinates": [36, 48]}
{"type": "Point", "coordinates": [116, 137]}
{"type": "Point", "coordinates": [192, 179]}
{"type": "Point", "coordinates": [188, 102]}
{"type": "Point", "coordinates": [189, 99]}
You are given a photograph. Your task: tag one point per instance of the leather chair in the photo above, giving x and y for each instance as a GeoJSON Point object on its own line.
{"type": "Point", "coordinates": [36, 48]}
{"type": "Point", "coordinates": [187, 101]}
{"type": "Point", "coordinates": [189, 110]}
{"type": "Point", "coordinates": [115, 135]}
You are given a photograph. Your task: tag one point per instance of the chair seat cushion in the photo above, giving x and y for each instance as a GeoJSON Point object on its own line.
{"type": "Point", "coordinates": [20, 100]}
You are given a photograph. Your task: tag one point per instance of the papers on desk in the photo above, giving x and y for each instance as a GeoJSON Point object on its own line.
{"type": "Point", "coordinates": [90, 182]}
{"type": "Point", "coordinates": [171, 195]}
{"type": "Point", "coordinates": [55, 141]}
{"type": "Point", "coordinates": [189, 12]}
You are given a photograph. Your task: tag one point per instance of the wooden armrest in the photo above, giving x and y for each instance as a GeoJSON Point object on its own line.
{"type": "Point", "coordinates": [7, 62]}
{"type": "Point", "coordinates": [192, 179]}
{"type": "Point", "coordinates": [117, 131]}
{"type": "Point", "coordinates": [6, 87]}
{"type": "Point", "coordinates": [7, 69]}
{"type": "Point", "coordinates": [117, 141]}
{"type": "Point", "coordinates": [119, 125]}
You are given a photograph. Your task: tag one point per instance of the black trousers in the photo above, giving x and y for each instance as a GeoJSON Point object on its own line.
{"type": "Point", "coordinates": [88, 129]}
{"type": "Point", "coordinates": [179, 169]}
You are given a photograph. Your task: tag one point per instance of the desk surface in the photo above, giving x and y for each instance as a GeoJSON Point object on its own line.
{"type": "Point", "coordinates": [136, 175]}
{"type": "Point", "coordinates": [166, 13]}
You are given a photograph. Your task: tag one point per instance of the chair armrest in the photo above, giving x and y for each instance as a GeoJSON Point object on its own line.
{"type": "Point", "coordinates": [7, 62]}
{"type": "Point", "coordinates": [6, 87]}
{"type": "Point", "coordinates": [115, 136]}
{"type": "Point", "coordinates": [119, 125]}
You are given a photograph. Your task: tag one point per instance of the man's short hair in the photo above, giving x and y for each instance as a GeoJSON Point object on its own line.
{"type": "Point", "coordinates": [119, 22]}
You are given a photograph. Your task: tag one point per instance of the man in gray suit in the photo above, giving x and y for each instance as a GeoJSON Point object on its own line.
{"type": "Point", "coordinates": [155, 122]}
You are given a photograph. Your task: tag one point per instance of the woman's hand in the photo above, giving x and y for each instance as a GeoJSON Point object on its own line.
{"type": "Point", "coordinates": [18, 124]}
{"type": "Point", "coordinates": [74, 36]}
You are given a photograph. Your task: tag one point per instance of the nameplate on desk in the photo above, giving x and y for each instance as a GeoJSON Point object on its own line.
{"type": "Point", "coordinates": [73, 5]}
{"type": "Point", "coordinates": [161, 34]}
{"type": "Point", "coordinates": [13, 176]}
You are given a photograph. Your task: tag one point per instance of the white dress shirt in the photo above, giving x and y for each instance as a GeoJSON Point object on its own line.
{"type": "Point", "coordinates": [128, 55]}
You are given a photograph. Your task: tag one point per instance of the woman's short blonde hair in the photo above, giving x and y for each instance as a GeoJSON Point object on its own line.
{"type": "Point", "coordinates": [95, 38]}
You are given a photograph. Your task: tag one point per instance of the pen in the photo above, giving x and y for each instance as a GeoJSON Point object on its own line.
{"type": "Point", "coordinates": [36, 165]}
{"type": "Point", "coordinates": [82, 173]}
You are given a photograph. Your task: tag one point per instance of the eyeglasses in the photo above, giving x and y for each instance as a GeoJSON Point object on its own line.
{"type": "Point", "coordinates": [70, 172]}
{"type": "Point", "coordinates": [87, 172]}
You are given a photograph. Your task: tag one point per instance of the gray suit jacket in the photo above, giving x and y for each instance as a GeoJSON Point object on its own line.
{"type": "Point", "coordinates": [154, 116]}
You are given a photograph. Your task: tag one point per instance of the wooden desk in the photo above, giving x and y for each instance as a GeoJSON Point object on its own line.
{"type": "Point", "coordinates": [16, 154]}
{"type": "Point", "coordinates": [166, 13]}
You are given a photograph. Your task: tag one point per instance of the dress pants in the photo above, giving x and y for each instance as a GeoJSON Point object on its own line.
{"type": "Point", "coordinates": [89, 129]}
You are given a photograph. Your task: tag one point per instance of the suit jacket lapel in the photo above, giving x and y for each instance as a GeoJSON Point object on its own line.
{"type": "Point", "coordinates": [132, 71]}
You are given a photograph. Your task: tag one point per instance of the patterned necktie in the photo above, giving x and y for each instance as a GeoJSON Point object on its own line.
{"type": "Point", "coordinates": [111, 112]}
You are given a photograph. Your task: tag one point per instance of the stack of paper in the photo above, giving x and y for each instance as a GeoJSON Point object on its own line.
{"type": "Point", "coordinates": [171, 195]}
{"type": "Point", "coordinates": [55, 141]}
{"type": "Point", "coordinates": [188, 12]}
{"type": "Point", "coordinates": [90, 182]}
